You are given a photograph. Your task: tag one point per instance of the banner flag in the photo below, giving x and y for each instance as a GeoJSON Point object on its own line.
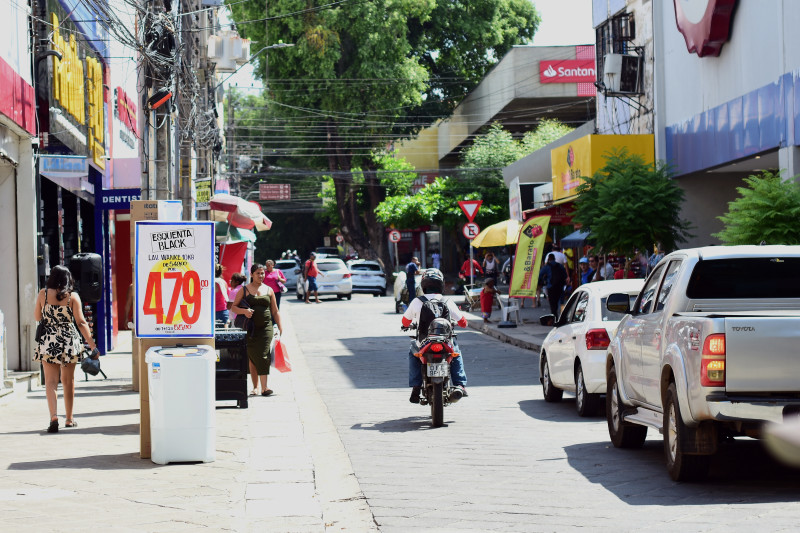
{"type": "Point", "coordinates": [528, 258]}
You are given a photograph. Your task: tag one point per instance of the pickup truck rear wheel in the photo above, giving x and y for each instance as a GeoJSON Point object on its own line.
{"type": "Point", "coordinates": [681, 466]}
{"type": "Point", "coordinates": [551, 393]}
{"type": "Point", "coordinates": [623, 434]}
{"type": "Point", "coordinates": [586, 403]}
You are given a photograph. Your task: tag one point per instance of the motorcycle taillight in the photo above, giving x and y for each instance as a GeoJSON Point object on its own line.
{"type": "Point", "coordinates": [437, 347]}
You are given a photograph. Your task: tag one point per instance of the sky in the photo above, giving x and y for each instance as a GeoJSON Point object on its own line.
{"type": "Point", "coordinates": [564, 22]}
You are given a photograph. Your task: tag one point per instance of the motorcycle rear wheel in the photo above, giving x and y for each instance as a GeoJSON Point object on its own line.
{"type": "Point", "coordinates": [437, 405]}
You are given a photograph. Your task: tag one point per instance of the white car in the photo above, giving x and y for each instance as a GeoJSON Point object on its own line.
{"type": "Point", "coordinates": [290, 270]}
{"type": "Point", "coordinates": [368, 276]}
{"type": "Point", "coordinates": [573, 355]}
{"type": "Point", "coordinates": [335, 280]}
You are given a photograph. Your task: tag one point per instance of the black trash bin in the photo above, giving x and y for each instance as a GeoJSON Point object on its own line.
{"type": "Point", "coordinates": [232, 365]}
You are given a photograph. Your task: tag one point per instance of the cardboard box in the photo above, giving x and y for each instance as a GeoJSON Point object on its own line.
{"type": "Point", "coordinates": [141, 210]}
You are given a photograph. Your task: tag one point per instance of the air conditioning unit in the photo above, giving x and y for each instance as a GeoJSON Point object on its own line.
{"type": "Point", "coordinates": [622, 73]}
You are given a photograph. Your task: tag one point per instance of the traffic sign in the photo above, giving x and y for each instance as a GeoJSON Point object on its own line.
{"type": "Point", "coordinates": [470, 230]}
{"type": "Point", "coordinates": [339, 238]}
{"type": "Point", "coordinates": [394, 236]}
{"type": "Point", "coordinates": [470, 208]}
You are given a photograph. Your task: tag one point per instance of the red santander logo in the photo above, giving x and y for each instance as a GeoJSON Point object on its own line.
{"type": "Point", "coordinates": [567, 71]}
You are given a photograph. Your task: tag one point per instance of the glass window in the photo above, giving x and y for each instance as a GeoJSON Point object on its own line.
{"type": "Point", "coordinates": [745, 277]}
{"type": "Point", "coordinates": [669, 282]}
{"type": "Point", "coordinates": [365, 267]}
{"type": "Point", "coordinates": [649, 291]}
{"type": "Point", "coordinates": [611, 315]}
{"type": "Point", "coordinates": [568, 308]}
{"type": "Point", "coordinates": [579, 315]}
{"type": "Point", "coordinates": [327, 266]}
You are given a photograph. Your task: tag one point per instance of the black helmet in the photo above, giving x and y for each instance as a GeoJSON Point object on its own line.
{"type": "Point", "coordinates": [432, 281]}
{"type": "Point", "coordinates": [440, 327]}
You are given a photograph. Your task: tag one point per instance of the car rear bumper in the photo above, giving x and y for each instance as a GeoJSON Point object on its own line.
{"type": "Point", "coordinates": [744, 408]}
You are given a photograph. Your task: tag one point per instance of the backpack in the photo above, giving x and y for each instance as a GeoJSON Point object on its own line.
{"type": "Point", "coordinates": [430, 309]}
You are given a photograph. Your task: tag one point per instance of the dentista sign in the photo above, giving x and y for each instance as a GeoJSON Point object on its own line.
{"type": "Point", "coordinates": [567, 71]}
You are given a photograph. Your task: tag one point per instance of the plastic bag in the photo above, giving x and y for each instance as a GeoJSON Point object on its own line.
{"type": "Point", "coordinates": [281, 358]}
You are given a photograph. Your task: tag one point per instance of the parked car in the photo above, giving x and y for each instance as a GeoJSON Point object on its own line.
{"type": "Point", "coordinates": [707, 352]}
{"type": "Point", "coordinates": [336, 280]}
{"type": "Point", "coordinates": [326, 251]}
{"type": "Point", "coordinates": [573, 355]}
{"type": "Point", "coordinates": [290, 270]}
{"type": "Point", "coordinates": [368, 276]}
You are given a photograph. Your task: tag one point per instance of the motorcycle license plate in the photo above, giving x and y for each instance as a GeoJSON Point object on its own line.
{"type": "Point", "coordinates": [438, 370]}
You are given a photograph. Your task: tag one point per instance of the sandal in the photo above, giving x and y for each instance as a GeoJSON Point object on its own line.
{"type": "Point", "coordinates": [71, 424]}
{"type": "Point", "coordinates": [53, 427]}
{"type": "Point", "coordinates": [266, 392]}
{"type": "Point", "coordinates": [253, 392]}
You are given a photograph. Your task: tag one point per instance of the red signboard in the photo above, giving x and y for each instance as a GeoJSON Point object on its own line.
{"type": "Point", "coordinates": [567, 71]}
{"type": "Point", "coordinates": [274, 191]}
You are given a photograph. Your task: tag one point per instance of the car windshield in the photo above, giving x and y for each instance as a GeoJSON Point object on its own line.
{"type": "Point", "coordinates": [750, 277]}
{"type": "Point", "coordinates": [327, 266]}
{"type": "Point", "coordinates": [366, 267]}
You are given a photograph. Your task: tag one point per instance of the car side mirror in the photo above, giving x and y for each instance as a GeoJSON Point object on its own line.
{"type": "Point", "coordinates": [547, 320]}
{"type": "Point", "coordinates": [618, 303]}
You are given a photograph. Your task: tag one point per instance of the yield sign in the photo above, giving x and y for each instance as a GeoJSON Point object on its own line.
{"type": "Point", "coordinates": [470, 208]}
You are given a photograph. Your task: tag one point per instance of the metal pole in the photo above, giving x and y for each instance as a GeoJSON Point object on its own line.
{"type": "Point", "coordinates": [471, 267]}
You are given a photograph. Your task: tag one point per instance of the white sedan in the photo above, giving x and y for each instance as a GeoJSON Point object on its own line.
{"type": "Point", "coordinates": [368, 276]}
{"type": "Point", "coordinates": [573, 355]}
{"type": "Point", "coordinates": [336, 280]}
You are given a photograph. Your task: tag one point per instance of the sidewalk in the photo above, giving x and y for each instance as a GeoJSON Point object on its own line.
{"type": "Point", "coordinates": [280, 465]}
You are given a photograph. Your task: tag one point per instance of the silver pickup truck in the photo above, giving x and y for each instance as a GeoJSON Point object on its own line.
{"type": "Point", "coordinates": [710, 349]}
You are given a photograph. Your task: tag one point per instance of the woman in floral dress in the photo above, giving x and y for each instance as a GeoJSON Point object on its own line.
{"type": "Point", "coordinates": [59, 348]}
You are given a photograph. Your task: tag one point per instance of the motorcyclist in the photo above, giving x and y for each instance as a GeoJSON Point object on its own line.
{"type": "Point", "coordinates": [432, 284]}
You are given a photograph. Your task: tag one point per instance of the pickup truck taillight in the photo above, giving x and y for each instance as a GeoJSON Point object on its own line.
{"type": "Point", "coordinates": [597, 339]}
{"type": "Point", "coordinates": [345, 276]}
{"type": "Point", "coordinates": [712, 363]}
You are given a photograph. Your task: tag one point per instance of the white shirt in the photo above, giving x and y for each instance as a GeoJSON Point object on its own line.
{"type": "Point", "coordinates": [414, 308]}
{"type": "Point", "coordinates": [561, 258]}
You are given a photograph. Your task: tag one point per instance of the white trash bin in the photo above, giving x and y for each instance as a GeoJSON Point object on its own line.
{"type": "Point", "coordinates": [182, 403]}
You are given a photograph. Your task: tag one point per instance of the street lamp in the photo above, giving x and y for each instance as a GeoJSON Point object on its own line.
{"type": "Point", "coordinates": [252, 57]}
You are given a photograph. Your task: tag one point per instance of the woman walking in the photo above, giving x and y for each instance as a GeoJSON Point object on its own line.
{"type": "Point", "coordinates": [59, 348]}
{"type": "Point", "coordinates": [262, 310]}
{"type": "Point", "coordinates": [274, 278]}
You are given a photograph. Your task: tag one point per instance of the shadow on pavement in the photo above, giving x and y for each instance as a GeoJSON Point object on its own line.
{"type": "Point", "coordinates": [124, 461]}
{"type": "Point", "coordinates": [741, 472]}
{"type": "Point", "coordinates": [563, 411]}
{"type": "Point", "coordinates": [127, 429]}
{"type": "Point", "coordinates": [401, 425]}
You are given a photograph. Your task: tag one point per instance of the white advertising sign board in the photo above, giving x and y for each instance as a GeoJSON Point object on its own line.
{"type": "Point", "coordinates": [174, 274]}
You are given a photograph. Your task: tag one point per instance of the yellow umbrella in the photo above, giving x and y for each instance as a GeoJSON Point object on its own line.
{"type": "Point", "coordinates": [500, 234]}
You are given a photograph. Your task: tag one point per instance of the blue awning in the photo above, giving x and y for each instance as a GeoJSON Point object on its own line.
{"type": "Point", "coordinates": [576, 239]}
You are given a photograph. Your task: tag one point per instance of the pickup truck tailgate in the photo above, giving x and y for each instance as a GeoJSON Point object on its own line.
{"type": "Point", "coordinates": [762, 354]}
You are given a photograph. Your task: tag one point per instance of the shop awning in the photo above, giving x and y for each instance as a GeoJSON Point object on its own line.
{"type": "Point", "coordinates": [576, 239]}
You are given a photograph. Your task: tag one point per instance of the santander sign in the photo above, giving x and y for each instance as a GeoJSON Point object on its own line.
{"type": "Point", "coordinates": [567, 71]}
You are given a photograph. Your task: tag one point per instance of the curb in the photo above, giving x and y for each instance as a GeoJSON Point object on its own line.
{"type": "Point", "coordinates": [479, 325]}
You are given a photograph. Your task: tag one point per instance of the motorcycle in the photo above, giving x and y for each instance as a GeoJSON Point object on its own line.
{"type": "Point", "coordinates": [436, 352]}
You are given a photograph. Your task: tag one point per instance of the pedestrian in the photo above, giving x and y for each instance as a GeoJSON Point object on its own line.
{"type": "Point", "coordinates": [491, 266]}
{"type": "Point", "coordinates": [310, 273]}
{"type": "Point", "coordinates": [658, 255]}
{"type": "Point", "coordinates": [412, 271]}
{"type": "Point", "coordinates": [436, 259]}
{"type": "Point", "coordinates": [220, 296]}
{"type": "Point", "coordinates": [263, 311]}
{"type": "Point", "coordinates": [488, 294]}
{"type": "Point", "coordinates": [59, 348]}
{"type": "Point", "coordinates": [275, 279]}
{"type": "Point", "coordinates": [554, 277]}
{"type": "Point", "coordinates": [625, 272]}
{"type": "Point", "coordinates": [586, 272]}
{"type": "Point", "coordinates": [603, 271]}
{"type": "Point", "coordinates": [469, 268]}
{"type": "Point", "coordinates": [237, 281]}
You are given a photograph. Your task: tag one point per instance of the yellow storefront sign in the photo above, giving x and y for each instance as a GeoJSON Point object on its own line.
{"type": "Point", "coordinates": [572, 162]}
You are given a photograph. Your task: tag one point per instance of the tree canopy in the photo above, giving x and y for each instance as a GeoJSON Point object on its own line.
{"type": "Point", "coordinates": [362, 74]}
{"type": "Point", "coordinates": [631, 204]}
{"type": "Point", "coordinates": [767, 210]}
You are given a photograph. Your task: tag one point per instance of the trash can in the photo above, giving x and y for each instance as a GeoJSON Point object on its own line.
{"type": "Point", "coordinates": [232, 365]}
{"type": "Point", "coordinates": [182, 416]}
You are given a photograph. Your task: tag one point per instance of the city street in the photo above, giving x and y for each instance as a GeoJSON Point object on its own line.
{"type": "Point", "coordinates": [507, 461]}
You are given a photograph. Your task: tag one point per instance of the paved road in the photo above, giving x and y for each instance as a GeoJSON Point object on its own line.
{"type": "Point", "coordinates": [506, 460]}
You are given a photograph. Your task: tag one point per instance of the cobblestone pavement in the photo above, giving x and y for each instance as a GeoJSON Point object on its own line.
{"type": "Point", "coordinates": [506, 460]}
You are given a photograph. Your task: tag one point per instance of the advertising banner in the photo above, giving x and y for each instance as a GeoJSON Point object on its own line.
{"type": "Point", "coordinates": [174, 274]}
{"type": "Point", "coordinates": [528, 258]}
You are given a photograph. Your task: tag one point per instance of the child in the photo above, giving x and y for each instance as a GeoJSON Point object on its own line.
{"type": "Point", "coordinates": [487, 299]}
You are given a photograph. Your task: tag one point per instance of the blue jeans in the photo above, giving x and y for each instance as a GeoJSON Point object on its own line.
{"type": "Point", "coordinates": [457, 374]}
{"type": "Point", "coordinates": [221, 316]}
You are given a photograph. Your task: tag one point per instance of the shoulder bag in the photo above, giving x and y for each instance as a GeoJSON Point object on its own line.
{"type": "Point", "coordinates": [241, 321]}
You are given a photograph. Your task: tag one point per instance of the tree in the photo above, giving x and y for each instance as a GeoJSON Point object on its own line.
{"type": "Point", "coordinates": [362, 74]}
{"type": "Point", "coordinates": [631, 204]}
{"type": "Point", "coordinates": [767, 209]}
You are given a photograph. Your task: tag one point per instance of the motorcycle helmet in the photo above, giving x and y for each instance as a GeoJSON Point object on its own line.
{"type": "Point", "coordinates": [440, 327]}
{"type": "Point", "coordinates": [432, 281]}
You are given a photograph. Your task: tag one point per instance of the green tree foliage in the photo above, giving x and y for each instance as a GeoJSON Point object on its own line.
{"type": "Point", "coordinates": [631, 204]}
{"type": "Point", "coordinates": [546, 132]}
{"type": "Point", "coordinates": [767, 209]}
{"type": "Point", "coordinates": [364, 73]}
